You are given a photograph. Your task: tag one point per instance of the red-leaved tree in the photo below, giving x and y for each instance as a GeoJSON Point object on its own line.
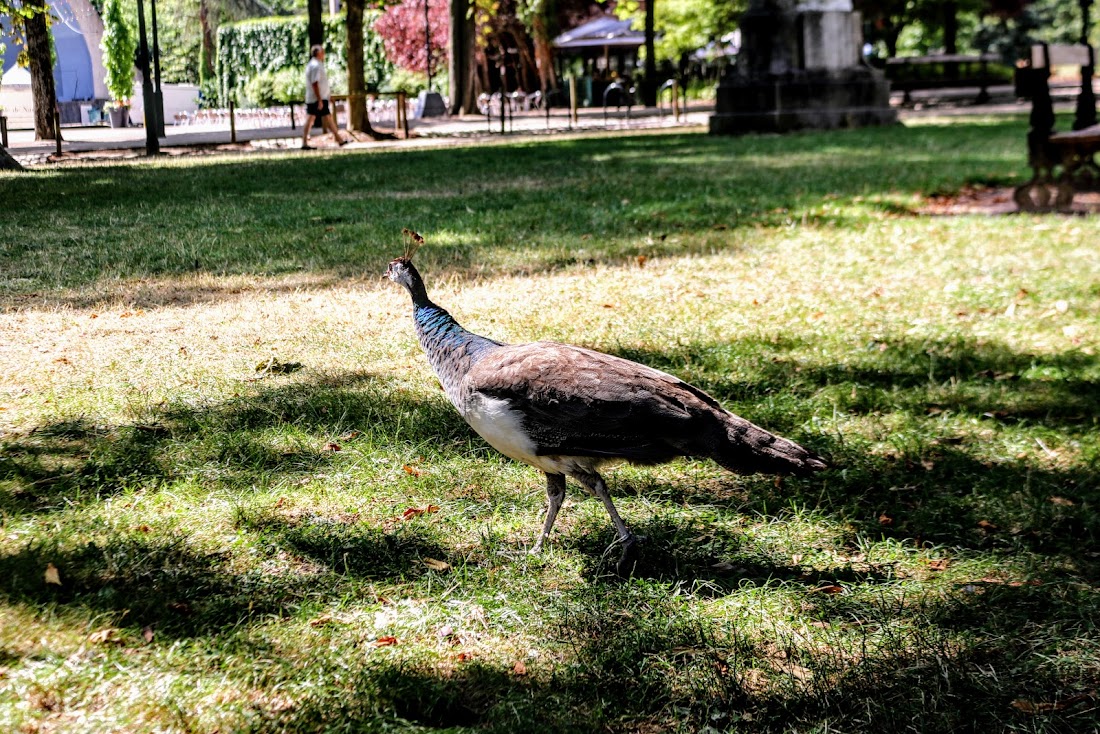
{"type": "Point", "coordinates": [402, 30]}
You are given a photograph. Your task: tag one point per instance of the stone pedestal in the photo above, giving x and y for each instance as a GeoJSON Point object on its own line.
{"type": "Point", "coordinates": [430, 104]}
{"type": "Point", "coordinates": [800, 67]}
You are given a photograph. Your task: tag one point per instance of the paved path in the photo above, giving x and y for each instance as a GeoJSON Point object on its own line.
{"type": "Point", "coordinates": [104, 143]}
{"type": "Point", "coordinates": [84, 143]}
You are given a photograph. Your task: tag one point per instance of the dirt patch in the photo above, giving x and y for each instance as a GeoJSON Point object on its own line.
{"type": "Point", "coordinates": [996, 201]}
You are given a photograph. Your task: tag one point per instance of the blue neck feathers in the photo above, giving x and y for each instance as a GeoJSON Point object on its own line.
{"type": "Point", "coordinates": [451, 349]}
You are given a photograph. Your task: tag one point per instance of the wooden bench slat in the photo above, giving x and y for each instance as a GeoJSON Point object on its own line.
{"type": "Point", "coordinates": [1085, 135]}
{"type": "Point", "coordinates": [1059, 55]}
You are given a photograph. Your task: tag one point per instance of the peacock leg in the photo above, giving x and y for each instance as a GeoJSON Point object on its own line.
{"type": "Point", "coordinates": [595, 484]}
{"type": "Point", "coordinates": [555, 493]}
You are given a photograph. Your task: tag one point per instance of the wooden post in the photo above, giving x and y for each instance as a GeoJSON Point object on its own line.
{"type": "Point", "coordinates": [3, 131]}
{"type": "Point", "coordinates": [232, 121]}
{"type": "Point", "coordinates": [400, 115]}
{"type": "Point", "coordinates": [676, 100]}
{"type": "Point", "coordinates": [573, 99]}
{"type": "Point", "coordinates": [57, 129]}
{"type": "Point", "coordinates": [293, 125]}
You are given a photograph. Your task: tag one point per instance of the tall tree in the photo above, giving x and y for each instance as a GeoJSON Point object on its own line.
{"type": "Point", "coordinates": [358, 120]}
{"type": "Point", "coordinates": [34, 19]}
{"type": "Point", "coordinates": [316, 23]}
{"type": "Point", "coordinates": [462, 65]}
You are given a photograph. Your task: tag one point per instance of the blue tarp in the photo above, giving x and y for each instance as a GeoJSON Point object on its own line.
{"type": "Point", "coordinates": [73, 72]}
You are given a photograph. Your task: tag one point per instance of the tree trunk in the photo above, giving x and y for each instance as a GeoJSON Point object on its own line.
{"type": "Point", "coordinates": [316, 24]}
{"type": "Point", "coordinates": [649, 88]}
{"type": "Point", "coordinates": [544, 54]}
{"type": "Point", "coordinates": [950, 28]}
{"type": "Point", "coordinates": [41, 69]}
{"type": "Point", "coordinates": [357, 86]}
{"type": "Point", "coordinates": [462, 66]}
{"type": "Point", "coordinates": [891, 38]}
{"type": "Point", "coordinates": [7, 163]}
{"type": "Point", "coordinates": [206, 58]}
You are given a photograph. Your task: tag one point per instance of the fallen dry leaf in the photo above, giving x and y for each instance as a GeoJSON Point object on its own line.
{"type": "Point", "coordinates": [939, 564]}
{"type": "Point", "coordinates": [332, 446]}
{"type": "Point", "coordinates": [436, 565]}
{"type": "Point", "coordinates": [321, 621]}
{"type": "Point", "coordinates": [987, 526]}
{"type": "Point", "coordinates": [418, 511]}
{"type": "Point", "coordinates": [520, 668]}
{"type": "Point", "coordinates": [830, 589]}
{"type": "Point", "coordinates": [411, 470]}
{"type": "Point", "coordinates": [104, 636]}
{"type": "Point", "coordinates": [885, 519]}
{"type": "Point", "coordinates": [1062, 502]}
{"type": "Point", "coordinates": [53, 576]}
{"type": "Point", "coordinates": [387, 641]}
{"type": "Point", "coordinates": [143, 529]}
{"type": "Point", "coordinates": [147, 632]}
{"type": "Point", "coordinates": [1044, 707]}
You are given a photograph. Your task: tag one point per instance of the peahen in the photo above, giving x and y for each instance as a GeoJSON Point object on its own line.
{"type": "Point", "coordinates": [568, 411]}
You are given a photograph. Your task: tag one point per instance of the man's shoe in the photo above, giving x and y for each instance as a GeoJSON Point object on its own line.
{"type": "Point", "coordinates": [307, 146]}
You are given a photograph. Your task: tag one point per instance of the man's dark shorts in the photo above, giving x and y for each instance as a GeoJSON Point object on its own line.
{"type": "Point", "coordinates": [318, 109]}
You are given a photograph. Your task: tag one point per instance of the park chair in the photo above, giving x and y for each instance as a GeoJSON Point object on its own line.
{"type": "Point", "coordinates": [1062, 163]}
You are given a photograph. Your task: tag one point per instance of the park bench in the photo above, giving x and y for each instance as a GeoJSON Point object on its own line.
{"type": "Point", "coordinates": [1062, 163]}
{"type": "Point", "coordinates": [909, 73]}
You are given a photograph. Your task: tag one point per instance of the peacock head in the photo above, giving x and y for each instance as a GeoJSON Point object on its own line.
{"type": "Point", "coordinates": [403, 272]}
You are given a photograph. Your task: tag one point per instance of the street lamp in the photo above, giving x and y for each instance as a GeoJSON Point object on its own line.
{"type": "Point", "coordinates": [158, 95]}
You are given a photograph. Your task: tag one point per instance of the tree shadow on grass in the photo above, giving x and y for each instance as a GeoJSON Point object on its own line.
{"type": "Point", "coordinates": [629, 657]}
{"type": "Point", "coordinates": [163, 579]}
{"type": "Point", "coordinates": [935, 484]}
{"type": "Point", "coordinates": [73, 462]}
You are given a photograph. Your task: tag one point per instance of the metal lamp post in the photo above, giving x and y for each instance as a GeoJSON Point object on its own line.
{"type": "Point", "coordinates": [158, 93]}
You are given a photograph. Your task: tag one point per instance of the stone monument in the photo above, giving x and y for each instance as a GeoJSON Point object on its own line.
{"type": "Point", "coordinates": [800, 66]}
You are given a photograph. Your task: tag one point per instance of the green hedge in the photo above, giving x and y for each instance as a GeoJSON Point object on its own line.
{"type": "Point", "coordinates": [252, 47]}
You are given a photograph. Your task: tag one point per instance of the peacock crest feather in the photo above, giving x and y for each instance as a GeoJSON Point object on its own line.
{"type": "Point", "coordinates": [413, 242]}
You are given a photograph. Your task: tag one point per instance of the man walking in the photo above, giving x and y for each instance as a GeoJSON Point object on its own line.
{"type": "Point", "coordinates": [317, 98]}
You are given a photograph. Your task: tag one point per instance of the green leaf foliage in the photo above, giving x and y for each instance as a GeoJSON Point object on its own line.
{"type": "Point", "coordinates": [251, 48]}
{"type": "Point", "coordinates": [118, 47]}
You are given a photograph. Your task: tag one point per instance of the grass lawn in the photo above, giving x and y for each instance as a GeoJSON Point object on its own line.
{"type": "Point", "coordinates": [191, 544]}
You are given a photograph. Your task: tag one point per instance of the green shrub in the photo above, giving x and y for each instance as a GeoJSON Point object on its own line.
{"type": "Point", "coordinates": [413, 82]}
{"type": "Point", "coordinates": [118, 47]}
{"type": "Point", "coordinates": [275, 45]}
